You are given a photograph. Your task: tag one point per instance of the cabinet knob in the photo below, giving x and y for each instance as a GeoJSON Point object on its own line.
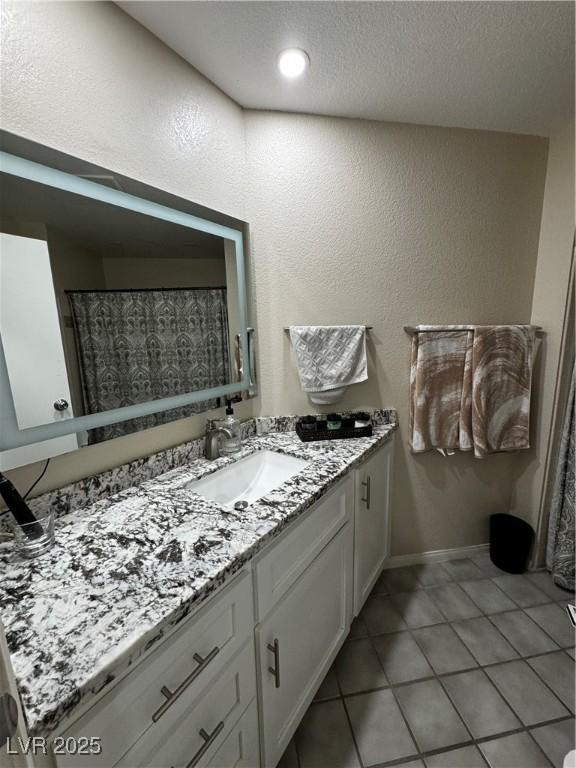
{"type": "Point", "coordinates": [61, 404]}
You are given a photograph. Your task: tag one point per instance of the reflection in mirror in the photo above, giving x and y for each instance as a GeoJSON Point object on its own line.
{"type": "Point", "coordinates": [103, 307]}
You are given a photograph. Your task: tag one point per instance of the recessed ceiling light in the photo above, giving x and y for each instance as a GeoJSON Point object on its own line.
{"type": "Point", "coordinates": [293, 62]}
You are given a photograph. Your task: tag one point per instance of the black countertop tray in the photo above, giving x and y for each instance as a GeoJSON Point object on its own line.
{"type": "Point", "coordinates": [311, 435]}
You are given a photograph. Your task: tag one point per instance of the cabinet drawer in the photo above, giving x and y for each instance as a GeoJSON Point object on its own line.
{"type": "Point", "coordinates": [165, 684]}
{"type": "Point", "coordinates": [202, 728]}
{"type": "Point", "coordinates": [279, 567]}
{"type": "Point", "coordinates": [241, 749]}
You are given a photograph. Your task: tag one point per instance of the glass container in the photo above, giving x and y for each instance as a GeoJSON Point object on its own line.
{"type": "Point", "coordinates": [35, 539]}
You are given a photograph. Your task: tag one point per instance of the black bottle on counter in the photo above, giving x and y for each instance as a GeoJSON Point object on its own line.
{"type": "Point", "coordinates": [19, 509]}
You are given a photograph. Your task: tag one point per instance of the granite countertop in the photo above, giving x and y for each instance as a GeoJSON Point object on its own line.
{"type": "Point", "coordinates": [129, 567]}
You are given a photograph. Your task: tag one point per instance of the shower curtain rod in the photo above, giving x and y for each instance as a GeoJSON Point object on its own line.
{"type": "Point", "coordinates": [143, 290]}
{"type": "Point", "coordinates": [412, 329]}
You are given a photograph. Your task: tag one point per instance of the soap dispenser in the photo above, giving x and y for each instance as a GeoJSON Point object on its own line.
{"type": "Point", "coordinates": [231, 444]}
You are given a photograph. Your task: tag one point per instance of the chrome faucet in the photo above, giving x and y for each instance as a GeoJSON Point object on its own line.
{"type": "Point", "coordinates": [213, 439]}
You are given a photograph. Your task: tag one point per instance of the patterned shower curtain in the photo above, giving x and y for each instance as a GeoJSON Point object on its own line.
{"type": "Point", "coordinates": [561, 540]}
{"type": "Point", "coordinates": [134, 346]}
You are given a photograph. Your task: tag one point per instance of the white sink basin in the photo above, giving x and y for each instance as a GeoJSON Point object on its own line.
{"type": "Point", "coordinates": [248, 479]}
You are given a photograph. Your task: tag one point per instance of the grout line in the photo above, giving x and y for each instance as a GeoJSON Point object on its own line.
{"type": "Point", "coordinates": [409, 631]}
{"type": "Point", "coordinates": [509, 596]}
{"type": "Point", "coordinates": [434, 675]}
{"type": "Point", "coordinates": [541, 678]}
{"type": "Point", "coordinates": [519, 654]}
{"type": "Point", "coordinates": [466, 595]}
{"type": "Point", "coordinates": [335, 697]}
{"type": "Point", "coordinates": [390, 688]}
{"type": "Point", "coordinates": [510, 643]}
{"type": "Point", "coordinates": [531, 655]}
{"type": "Point", "coordinates": [481, 668]}
{"type": "Point", "coordinates": [393, 688]}
{"type": "Point", "coordinates": [531, 583]}
{"type": "Point", "coordinates": [542, 605]}
{"type": "Point", "coordinates": [476, 743]}
{"type": "Point", "coordinates": [347, 714]}
{"type": "Point", "coordinates": [406, 722]}
{"type": "Point", "coordinates": [457, 709]}
{"type": "Point", "coordinates": [453, 749]}
{"type": "Point", "coordinates": [437, 677]}
{"type": "Point", "coordinates": [341, 698]}
{"type": "Point", "coordinates": [530, 736]}
{"type": "Point", "coordinates": [499, 693]}
{"type": "Point", "coordinates": [499, 590]}
{"type": "Point", "coordinates": [519, 657]}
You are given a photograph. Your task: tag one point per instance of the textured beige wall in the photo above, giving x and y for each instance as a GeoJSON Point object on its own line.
{"type": "Point", "coordinates": [350, 221]}
{"type": "Point", "coordinates": [549, 309]}
{"type": "Point", "coordinates": [391, 225]}
{"type": "Point", "coordinates": [86, 79]}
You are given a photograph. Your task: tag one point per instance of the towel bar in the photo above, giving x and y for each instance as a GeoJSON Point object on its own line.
{"type": "Point", "coordinates": [368, 327]}
{"type": "Point", "coordinates": [412, 329]}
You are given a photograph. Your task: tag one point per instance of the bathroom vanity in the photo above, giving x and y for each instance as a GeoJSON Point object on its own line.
{"type": "Point", "coordinates": [189, 609]}
{"type": "Point", "coordinates": [211, 652]}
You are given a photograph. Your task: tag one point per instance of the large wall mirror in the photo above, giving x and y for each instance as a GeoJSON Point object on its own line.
{"type": "Point", "coordinates": [118, 311]}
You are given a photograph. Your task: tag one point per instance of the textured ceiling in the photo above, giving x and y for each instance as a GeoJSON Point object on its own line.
{"type": "Point", "coordinates": [505, 66]}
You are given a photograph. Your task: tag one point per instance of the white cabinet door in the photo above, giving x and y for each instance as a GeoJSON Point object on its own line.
{"type": "Point", "coordinates": [299, 639]}
{"type": "Point", "coordinates": [371, 522]}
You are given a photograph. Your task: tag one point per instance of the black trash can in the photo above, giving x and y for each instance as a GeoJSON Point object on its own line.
{"type": "Point", "coordinates": [510, 542]}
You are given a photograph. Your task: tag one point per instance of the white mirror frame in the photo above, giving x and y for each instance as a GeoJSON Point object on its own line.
{"type": "Point", "coordinates": [10, 435]}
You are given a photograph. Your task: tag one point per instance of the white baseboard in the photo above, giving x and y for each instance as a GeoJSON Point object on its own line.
{"type": "Point", "coordinates": [436, 556]}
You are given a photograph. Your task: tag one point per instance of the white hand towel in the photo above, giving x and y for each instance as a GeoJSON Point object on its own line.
{"type": "Point", "coordinates": [329, 359]}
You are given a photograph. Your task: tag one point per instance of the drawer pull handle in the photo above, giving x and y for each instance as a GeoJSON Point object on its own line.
{"type": "Point", "coordinates": [209, 739]}
{"type": "Point", "coordinates": [171, 696]}
{"type": "Point", "coordinates": [366, 484]}
{"type": "Point", "coordinates": [275, 670]}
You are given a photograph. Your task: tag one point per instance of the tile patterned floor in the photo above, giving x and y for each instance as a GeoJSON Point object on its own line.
{"type": "Point", "coordinates": [452, 665]}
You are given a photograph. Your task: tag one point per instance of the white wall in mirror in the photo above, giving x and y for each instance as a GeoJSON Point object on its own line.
{"type": "Point", "coordinates": [25, 454]}
{"type": "Point", "coordinates": [30, 332]}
